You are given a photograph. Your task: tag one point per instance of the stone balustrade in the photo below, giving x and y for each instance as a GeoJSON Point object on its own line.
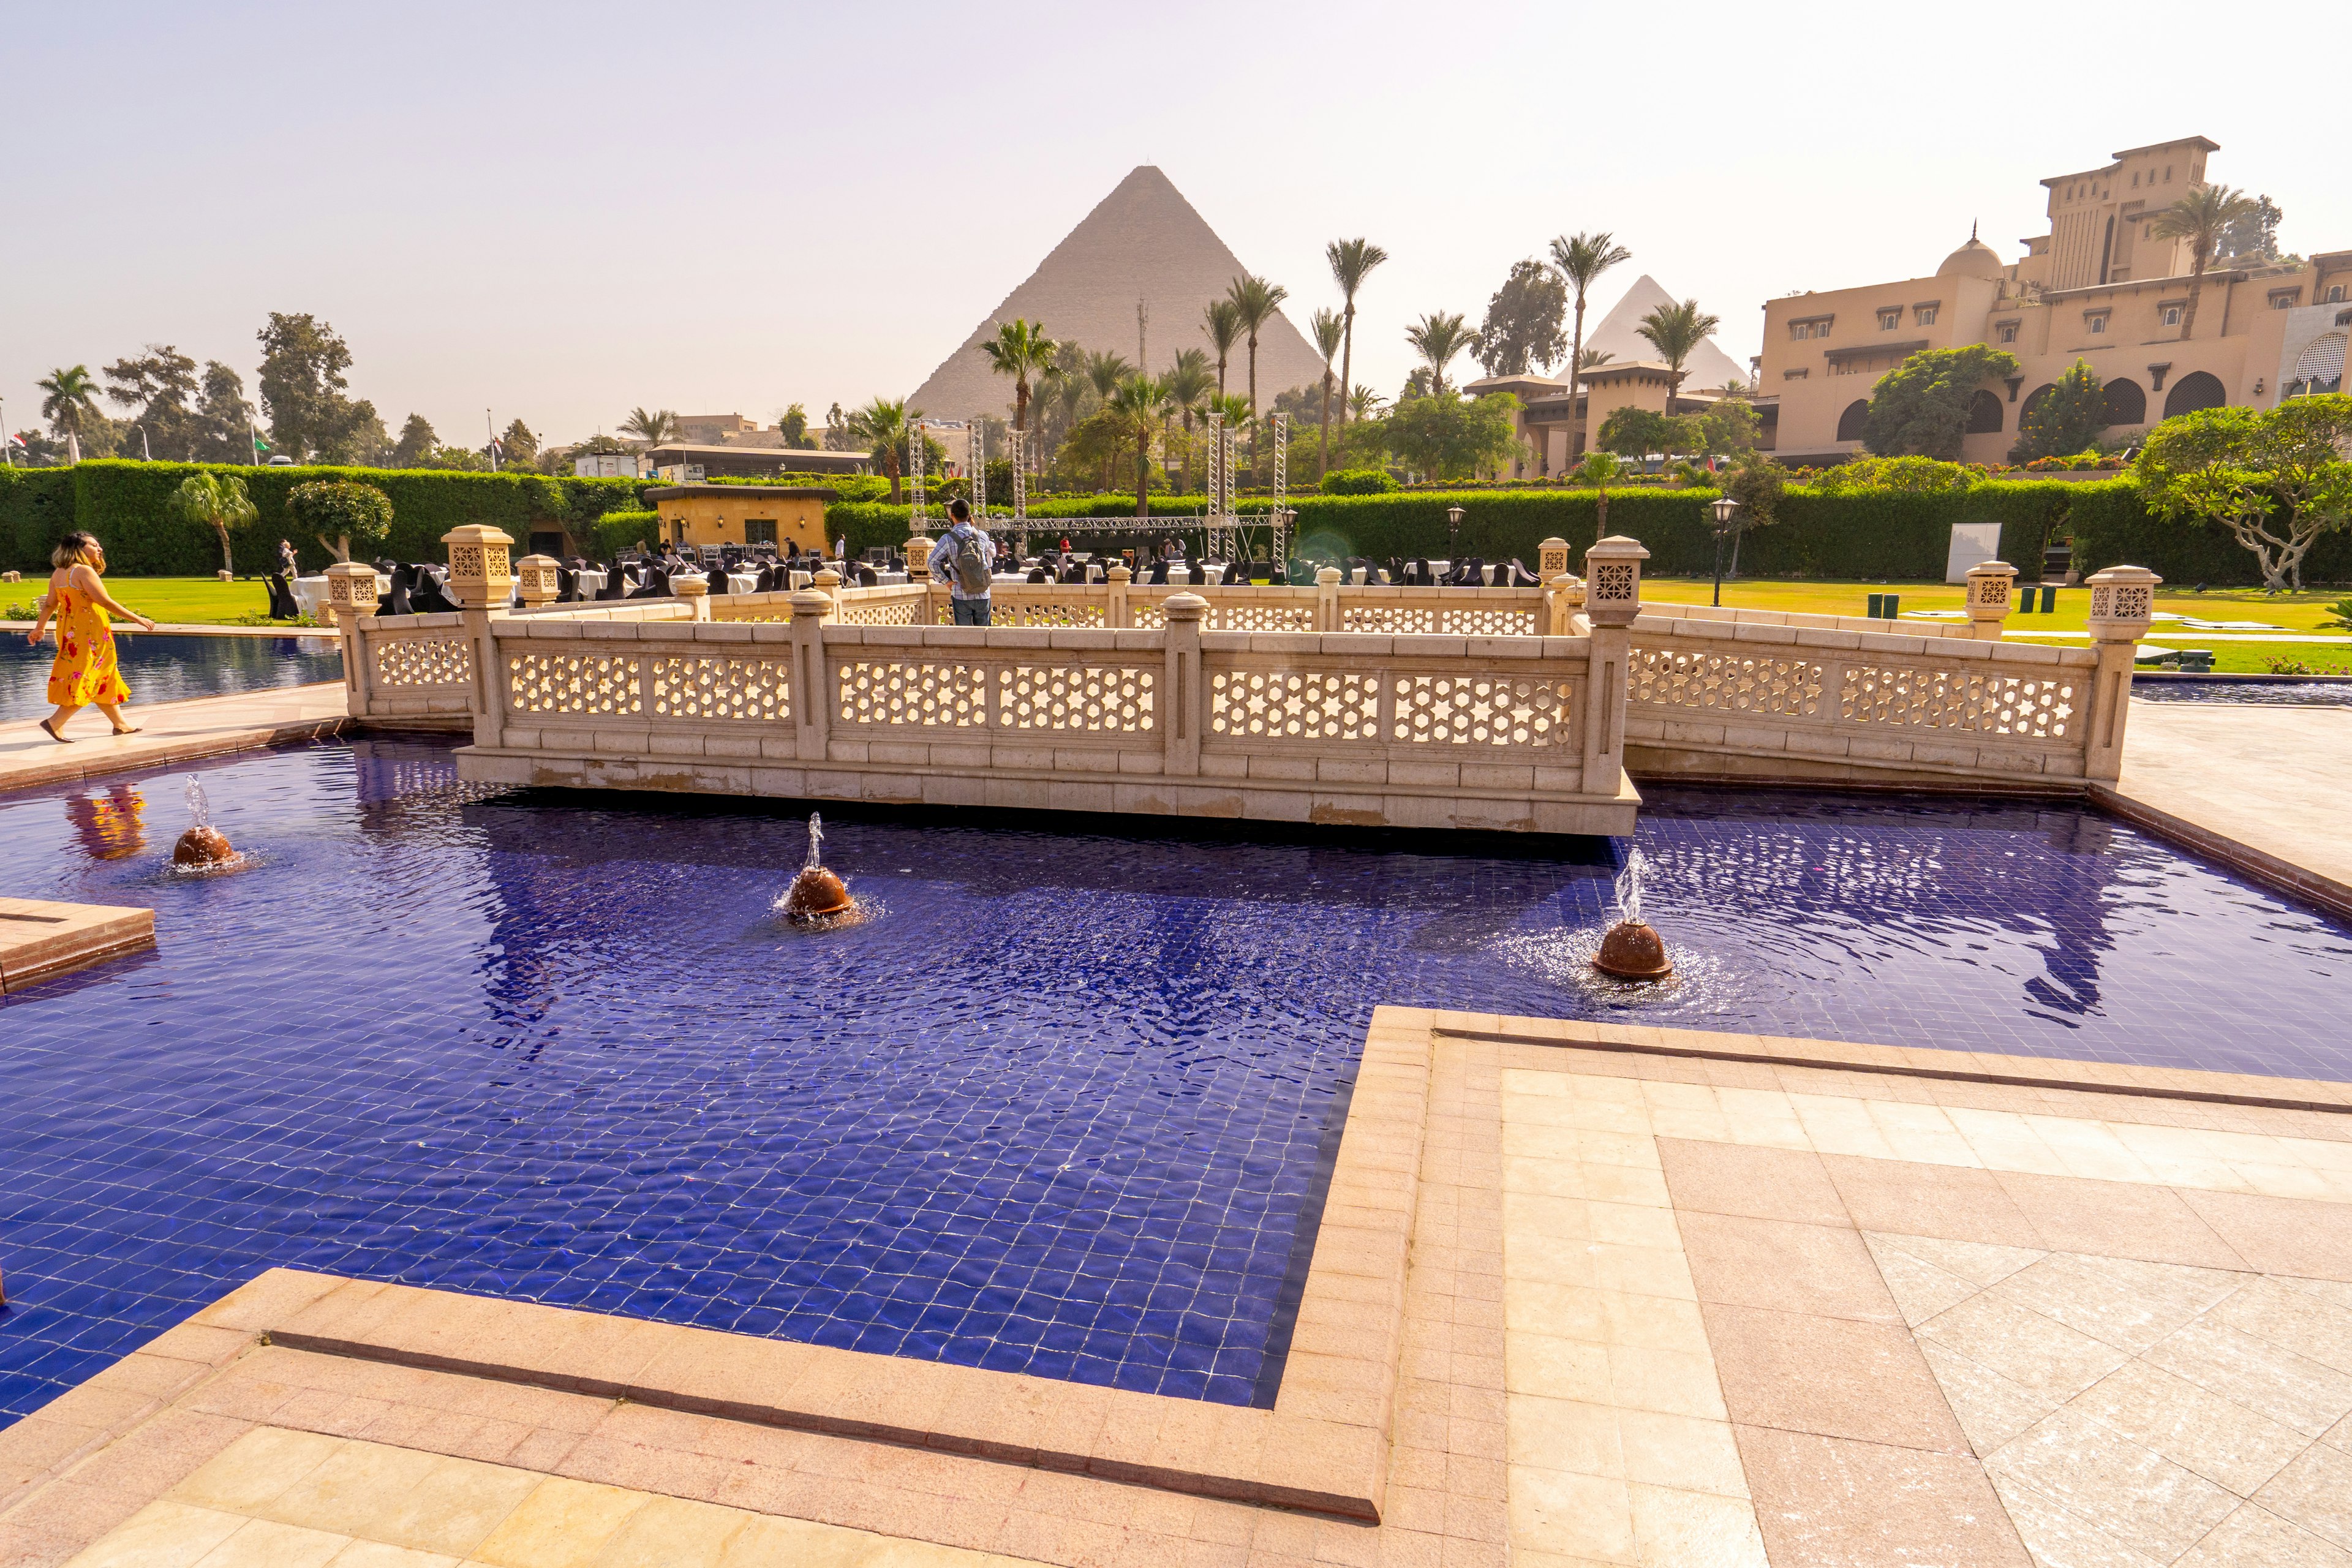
{"type": "Point", "coordinates": [1492, 708]}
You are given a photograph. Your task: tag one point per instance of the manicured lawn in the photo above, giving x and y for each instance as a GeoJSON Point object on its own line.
{"type": "Point", "coordinates": [2306, 612]}
{"type": "Point", "coordinates": [205, 600]}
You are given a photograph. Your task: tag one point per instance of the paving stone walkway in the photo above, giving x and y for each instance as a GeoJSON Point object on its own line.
{"type": "Point", "coordinates": [171, 731]}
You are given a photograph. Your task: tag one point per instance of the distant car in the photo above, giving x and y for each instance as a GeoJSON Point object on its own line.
{"type": "Point", "coordinates": [279, 462]}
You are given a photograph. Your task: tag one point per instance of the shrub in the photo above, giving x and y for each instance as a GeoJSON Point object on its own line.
{"type": "Point", "coordinates": [343, 511]}
{"type": "Point", "coordinates": [1359, 482]}
{"type": "Point", "coordinates": [618, 530]}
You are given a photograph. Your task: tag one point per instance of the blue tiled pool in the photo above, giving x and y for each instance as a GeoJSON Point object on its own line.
{"type": "Point", "coordinates": [168, 666]}
{"type": "Point", "coordinates": [1061, 1108]}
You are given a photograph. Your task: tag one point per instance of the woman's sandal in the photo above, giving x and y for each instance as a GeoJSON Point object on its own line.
{"type": "Point", "coordinates": [129, 730]}
{"type": "Point", "coordinates": [53, 735]}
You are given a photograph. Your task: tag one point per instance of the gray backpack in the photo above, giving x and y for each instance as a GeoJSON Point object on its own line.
{"type": "Point", "coordinates": [969, 565]}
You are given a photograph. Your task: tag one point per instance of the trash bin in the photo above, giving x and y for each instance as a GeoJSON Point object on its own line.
{"type": "Point", "coordinates": [2049, 598]}
{"type": "Point", "coordinates": [1877, 604]}
{"type": "Point", "coordinates": [1893, 605]}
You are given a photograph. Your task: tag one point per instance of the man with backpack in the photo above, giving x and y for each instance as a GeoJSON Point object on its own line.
{"type": "Point", "coordinates": [965, 559]}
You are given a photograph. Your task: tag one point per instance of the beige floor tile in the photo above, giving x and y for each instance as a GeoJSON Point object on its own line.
{"type": "Point", "coordinates": [560, 1524]}
{"type": "Point", "coordinates": [766, 1541]}
{"type": "Point", "coordinates": [265, 1544]}
{"type": "Point", "coordinates": [1597, 1316]}
{"type": "Point", "coordinates": [2058, 1536]}
{"type": "Point", "coordinates": [1555, 1368]}
{"type": "Point", "coordinates": [1633, 1225]}
{"type": "Point", "coordinates": [2132, 1493]}
{"type": "Point", "coordinates": [1813, 1268]}
{"type": "Point", "coordinates": [2306, 1324]}
{"type": "Point", "coordinates": [1842, 1127]}
{"type": "Point", "coordinates": [1750, 1182]}
{"type": "Point", "coordinates": [1674, 1528]}
{"type": "Point", "coordinates": [2023, 1346]}
{"type": "Point", "coordinates": [1641, 1152]}
{"type": "Point", "coordinates": [163, 1535]}
{"type": "Point", "coordinates": [256, 1469]}
{"type": "Point", "coordinates": [1979, 1263]}
{"type": "Point", "coordinates": [1563, 1434]}
{"type": "Point", "coordinates": [2315, 1492]}
{"type": "Point", "coordinates": [1989, 1408]}
{"type": "Point", "coordinates": [2004, 1140]}
{"type": "Point", "coordinates": [1679, 1452]}
{"type": "Point", "coordinates": [376, 1554]}
{"type": "Point", "coordinates": [1711, 1126]}
{"type": "Point", "coordinates": [2254, 1537]}
{"type": "Point", "coordinates": [1830, 1375]}
{"type": "Point", "coordinates": [1831, 1501]}
{"type": "Point", "coordinates": [672, 1533]}
{"type": "Point", "coordinates": [2287, 1182]}
{"type": "Point", "coordinates": [1545, 1218]}
{"type": "Point", "coordinates": [406, 1499]}
{"type": "Point", "coordinates": [1573, 1515]}
{"type": "Point", "coordinates": [2090, 1150]}
{"type": "Point", "coordinates": [1922, 1133]}
{"type": "Point", "coordinates": [2127, 1304]}
{"type": "Point", "coordinates": [2269, 1379]}
{"type": "Point", "coordinates": [1920, 1290]}
{"type": "Point", "coordinates": [1666, 1381]}
{"type": "Point", "coordinates": [2225, 1443]}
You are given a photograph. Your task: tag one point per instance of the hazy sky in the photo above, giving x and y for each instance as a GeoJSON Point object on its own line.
{"type": "Point", "coordinates": [562, 211]}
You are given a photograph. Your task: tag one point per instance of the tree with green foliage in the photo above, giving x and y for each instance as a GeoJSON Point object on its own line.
{"type": "Point", "coordinates": [216, 502]}
{"type": "Point", "coordinates": [1220, 323]}
{"type": "Point", "coordinates": [1727, 428]}
{"type": "Point", "coordinates": [2203, 217]}
{"type": "Point", "coordinates": [1911, 475]}
{"type": "Point", "coordinates": [417, 440]}
{"type": "Point", "coordinates": [1024, 352]}
{"type": "Point", "coordinates": [2252, 237]}
{"type": "Point", "coordinates": [303, 385]}
{"type": "Point", "coordinates": [339, 512]}
{"type": "Point", "coordinates": [159, 387]}
{"type": "Point", "coordinates": [793, 425]}
{"type": "Point", "coordinates": [884, 425]}
{"type": "Point", "coordinates": [1451, 437]}
{"type": "Point", "coordinates": [653, 426]}
{"type": "Point", "coordinates": [1255, 302]}
{"type": "Point", "coordinates": [1920, 408]}
{"type": "Point", "coordinates": [1757, 484]}
{"type": "Point", "coordinates": [1351, 261]}
{"type": "Point", "coordinates": [1439, 338]}
{"type": "Point", "coordinates": [2064, 418]}
{"type": "Point", "coordinates": [1522, 330]}
{"type": "Point", "coordinates": [2276, 479]}
{"type": "Point", "coordinates": [1630, 432]}
{"type": "Point", "coordinates": [222, 429]}
{"type": "Point", "coordinates": [1137, 406]}
{"type": "Point", "coordinates": [69, 403]}
{"type": "Point", "coordinates": [1676, 332]}
{"type": "Point", "coordinates": [1330, 330]}
{"type": "Point", "coordinates": [518, 445]}
{"type": "Point", "coordinates": [1581, 259]}
{"type": "Point", "coordinates": [1190, 386]}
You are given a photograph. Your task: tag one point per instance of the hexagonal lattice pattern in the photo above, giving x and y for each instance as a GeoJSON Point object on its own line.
{"type": "Point", "coordinates": [424, 661]}
{"type": "Point", "coordinates": [1956, 699]}
{"type": "Point", "coordinates": [710, 686]}
{"type": "Point", "coordinates": [1723, 682]}
{"type": "Point", "coordinates": [1454, 620]}
{"type": "Point", "coordinates": [575, 683]}
{"type": "Point", "coordinates": [1105, 699]}
{"type": "Point", "coordinates": [1302, 705]}
{"type": "Point", "coordinates": [1009, 610]}
{"type": "Point", "coordinates": [1145, 615]}
{"type": "Point", "coordinates": [885, 612]}
{"type": "Point", "coordinates": [951, 695]}
{"type": "Point", "coordinates": [1483, 709]}
{"type": "Point", "coordinates": [1261, 615]}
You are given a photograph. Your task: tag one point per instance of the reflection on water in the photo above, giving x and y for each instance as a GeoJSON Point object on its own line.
{"type": "Point", "coordinates": [169, 667]}
{"type": "Point", "coordinates": [108, 822]}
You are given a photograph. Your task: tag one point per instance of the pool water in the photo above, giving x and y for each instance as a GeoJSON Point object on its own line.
{"type": "Point", "coordinates": [2261, 693]}
{"type": "Point", "coordinates": [1063, 1106]}
{"type": "Point", "coordinates": [169, 667]}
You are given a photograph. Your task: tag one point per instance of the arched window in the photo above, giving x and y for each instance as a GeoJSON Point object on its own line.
{"type": "Point", "coordinates": [1850, 422]}
{"type": "Point", "coordinates": [1984, 414]}
{"type": "Point", "coordinates": [2126, 401]}
{"type": "Point", "coordinates": [2320, 368]}
{"type": "Point", "coordinates": [2192, 392]}
{"type": "Point", "coordinates": [2034, 401]}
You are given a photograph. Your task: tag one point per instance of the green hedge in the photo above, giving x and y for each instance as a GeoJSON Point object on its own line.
{"type": "Point", "coordinates": [122, 504]}
{"type": "Point", "coordinates": [2110, 527]}
{"type": "Point", "coordinates": [618, 530]}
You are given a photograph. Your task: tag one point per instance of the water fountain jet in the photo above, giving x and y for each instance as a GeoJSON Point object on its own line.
{"type": "Point", "coordinates": [817, 896]}
{"type": "Point", "coordinates": [202, 846]}
{"type": "Point", "coordinates": [1631, 949]}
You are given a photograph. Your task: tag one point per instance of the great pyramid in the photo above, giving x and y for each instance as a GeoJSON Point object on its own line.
{"type": "Point", "coordinates": [1708, 365]}
{"type": "Point", "coordinates": [1143, 242]}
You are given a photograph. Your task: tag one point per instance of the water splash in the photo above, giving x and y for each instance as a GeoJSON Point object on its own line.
{"type": "Point", "coordinates": [816, 841]}
{"type": "Point", "coordinates": [1628, 886]}
{"type": "Point", "coordinates": [200, 814]}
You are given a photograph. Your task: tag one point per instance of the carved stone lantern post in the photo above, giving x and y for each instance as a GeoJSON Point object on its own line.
{"type": "Point", "coordinates": [2122, 606]}
{"type": "Point", "coordinates": [1991, 595]}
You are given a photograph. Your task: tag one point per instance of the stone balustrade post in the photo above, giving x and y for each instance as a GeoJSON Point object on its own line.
{"type": "Point", "coordinates": [1327, 599]}
{"type": "Point", "coordinates": [1563, 596]}
{"type": "Point", "coordinates": [1552, 559]}
{"type": "Point", "coordinates": [811, 694]}
{"type": "Point", "coordinates": [1186, 614]}
{"type": "Point", "coordinates": [2122, 606]}
{"type": "Point", "coordinates": [918, 557]}
{"type": "Point", "coordinates": [694, 592]}
{"type": "Point", "coordinates": [537, 580]}
{"type": "Point", "coordinates": [481, 583]}
{"type": "Point", "coordinates": [1115, 616]}
{"type": "Point", "coordinates": [1612, 598]}
{"type": "Point", "coordinates": [1991, 595]}
{"type": "Point", "coordinates": [351, 601]}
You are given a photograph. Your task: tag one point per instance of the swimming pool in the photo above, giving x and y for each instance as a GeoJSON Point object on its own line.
{"type": "Point", "coordinates": [170, 666]}
{"type": "Point", "coordinates": [1061, 1108]}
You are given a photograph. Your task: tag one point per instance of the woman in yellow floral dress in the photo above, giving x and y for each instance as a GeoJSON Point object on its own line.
{"type": "Point", "coordinates": [85, 673]}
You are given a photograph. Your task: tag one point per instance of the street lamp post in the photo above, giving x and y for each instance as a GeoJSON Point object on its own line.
{"type": "Point", "coordinates": [1453, 535]}
{"type": "Point", "coordinates": [1724, 507]}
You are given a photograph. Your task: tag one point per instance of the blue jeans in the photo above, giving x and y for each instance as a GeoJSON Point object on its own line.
{"type": "Point", "coordinates": [971, 612]}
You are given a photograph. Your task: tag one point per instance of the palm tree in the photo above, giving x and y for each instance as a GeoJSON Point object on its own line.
{"type": "Point", "coordinates": [1135, 405]}
{"type": "Point", "coordinates": [1330, 334]}
{"type": "Point", "coordinates": [1188, 383]}
{"type": "Point", "coordinates": [1586, 359]}
{"type": "Point", "coordinates": [1255, 301]}
{"type": "Point", "coordinates": [2200, 217]}
{"type": "Point", "coordinates": [69, 401]}
{"type": "Point", "coordinates": [885, 427]}
{"type": "Point", "coordinates": [1023, 353]}
{"type": "Point", "coordinates": [1222, 324]}
{"type": "Point", "coordinates": [216, 501]}
{"type": "Point", "coordinates": [1352, 261]}
{"type": "Point", "coordinates": [651, 426]}
{"type": "Point", "coordinates": [1675, 330]}
{"type": "Point", "coordinates": [1439, 338]}
{"type": "Point", "coordinates": [1364, 403]}
{"type": "Point", "coordinates": [1105, 371]}
{"type": "Point", "coordinates": [1581, 259]}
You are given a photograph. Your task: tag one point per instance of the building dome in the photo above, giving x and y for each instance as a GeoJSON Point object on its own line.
{"type": "Point", "coordinates": [1974, 259]}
